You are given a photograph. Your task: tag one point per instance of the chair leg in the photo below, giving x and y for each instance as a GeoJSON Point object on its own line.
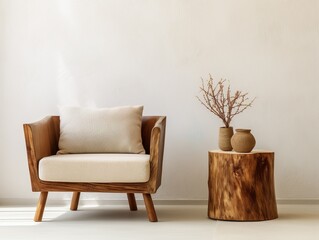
{"type": "Point", "coordinates": [132, 201]}
{"type": "Point", "coordinates": [40, 207]}
{"type": "Point", "coordinates": [75, 201]}
{"type": "Point", "coordinates": [150, 207]}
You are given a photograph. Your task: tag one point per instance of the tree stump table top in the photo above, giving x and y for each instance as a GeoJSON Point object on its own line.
{"type": "Point", "coordinates": [241, 186]}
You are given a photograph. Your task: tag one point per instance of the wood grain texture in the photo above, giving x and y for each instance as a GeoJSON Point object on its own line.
{"type": "Point", "coordinates": [157, 143]}
{"type": "Point", "coordinates": [75, 201]}
{"type": "Point", "coordinates": [42, 139]}
{"type": "Point", "coordinates": [150, 207]}
{"type": "Point", "coordinates": [40, 207]}
{"type": "Point", "coordinates": [132, 201]}
{"type": "Point", "coordinates": [241, 186]}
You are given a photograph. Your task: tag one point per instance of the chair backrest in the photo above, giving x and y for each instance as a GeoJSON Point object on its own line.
{"type": "Point", "coordinates": [148, 123]}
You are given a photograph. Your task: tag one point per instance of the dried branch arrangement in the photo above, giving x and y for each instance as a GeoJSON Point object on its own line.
{"type": "Point", "coordinates": [220, 102]}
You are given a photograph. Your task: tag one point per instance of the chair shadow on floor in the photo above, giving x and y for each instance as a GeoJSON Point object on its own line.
{"type": "Point", "coordinates": [122, 213]}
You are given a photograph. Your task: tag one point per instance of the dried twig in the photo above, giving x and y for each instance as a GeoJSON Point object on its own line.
{"type": "Point", "coordinates": [220, 101]}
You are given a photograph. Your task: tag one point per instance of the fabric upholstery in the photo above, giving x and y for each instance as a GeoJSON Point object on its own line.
{"type": "Point", "coordinates": [101, 130]}
{"type": "Point", "coordinates": [98, 168]}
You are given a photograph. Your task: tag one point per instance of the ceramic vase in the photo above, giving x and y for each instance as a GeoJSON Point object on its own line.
{"type": "Point", "coordinates": [243, 141]}
{"type": "Point", "coordinates": [225, 135]}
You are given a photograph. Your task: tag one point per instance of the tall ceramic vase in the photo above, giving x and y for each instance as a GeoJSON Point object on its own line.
{"type": "Point", "coordinates": [243, 141]}
{"type": "Point", "coordinates": [225, 135]}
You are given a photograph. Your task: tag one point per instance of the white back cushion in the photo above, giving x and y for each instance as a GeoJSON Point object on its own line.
{"type": "Point", "coordinates": [101, 130]}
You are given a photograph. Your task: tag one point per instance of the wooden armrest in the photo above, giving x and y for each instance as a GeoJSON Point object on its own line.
{"type": "Point", "coordinates": [41, 141]}
{"type": "Point", "coordinates": [157, 152]}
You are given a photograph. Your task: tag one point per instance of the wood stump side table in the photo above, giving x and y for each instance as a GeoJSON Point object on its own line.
{"type": "Point", "coordinates": [241, 186]}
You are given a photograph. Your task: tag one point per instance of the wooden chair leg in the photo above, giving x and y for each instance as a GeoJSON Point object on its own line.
{"type": "Point", "coordinates": [150, 207]}
{"type": "Point", "coordinates": [132, 201]}
{"type": "Point", "coordinates": [40, 207]}
{"type": "Point", "coordinates": [75, 201]}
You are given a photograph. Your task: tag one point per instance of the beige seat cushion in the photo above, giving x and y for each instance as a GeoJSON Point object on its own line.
{"type": "Point", "coordinates": [101, 130]}
{"type": "Point", "coordinates": [98, 168]}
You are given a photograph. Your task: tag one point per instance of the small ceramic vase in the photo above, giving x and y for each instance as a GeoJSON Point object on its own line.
{"type": "Point", "coordinates": [225, 135]}
{"type": "Point", "coordinates": [243, 141]}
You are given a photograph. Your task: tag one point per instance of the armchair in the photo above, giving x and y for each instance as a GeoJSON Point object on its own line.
{"type": "Point", "coordinates": [42, 139]}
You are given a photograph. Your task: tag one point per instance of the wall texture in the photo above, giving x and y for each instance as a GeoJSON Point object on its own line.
{"type": "Point", "coordinates": [109, 53]}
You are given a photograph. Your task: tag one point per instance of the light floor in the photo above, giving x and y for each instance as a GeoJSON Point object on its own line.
{"type": "Point", "coordinates": [176, 222]}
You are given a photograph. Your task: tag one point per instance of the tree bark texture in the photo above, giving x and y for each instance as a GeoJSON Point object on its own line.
{"type": "Point", "coordinates": [241, 186]}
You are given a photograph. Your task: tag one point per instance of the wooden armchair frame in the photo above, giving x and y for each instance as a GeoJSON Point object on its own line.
{"type": "Point", "coordinates": [42, 139]}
